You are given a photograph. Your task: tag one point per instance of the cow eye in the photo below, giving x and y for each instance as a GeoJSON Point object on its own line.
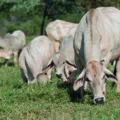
{"type": "Point", "coordinates": [63, 62]}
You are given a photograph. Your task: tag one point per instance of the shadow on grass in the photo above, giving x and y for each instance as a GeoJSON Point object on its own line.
{"type": "Point", "coordinates": [1, 64]}
{"type": "Point", "coordinates": [19, 86]}
{"type": "Point", "coordinates": [76, 96]}
{"type": "Point", "coordinates": [9, 64]}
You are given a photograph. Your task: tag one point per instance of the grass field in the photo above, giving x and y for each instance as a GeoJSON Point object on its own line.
{"type": "Point", "coordinates": [52, 101]}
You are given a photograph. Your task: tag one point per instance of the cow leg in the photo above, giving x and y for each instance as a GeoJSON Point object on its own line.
{"type": "Point", "coordinates": [57, 46]}
{"type": "Point", "coordinates": [113, 63]}
{"type": "Point", "coordinates": [15, 57]}
{"type": "Point", "coordinates": [118, 75]}
{"type": "Point", "coordinates": [64, 78]}
{"type": "Point", "coordinates": [31, 79]}
{"type": "Point", "coordinates": [6, 62]}
{"type": "Point", "coordinates": [66, 73]}
{"type": "Point", "coordinates": [85, 85]}
{"type": "Point", "coordinates": [49, 73]}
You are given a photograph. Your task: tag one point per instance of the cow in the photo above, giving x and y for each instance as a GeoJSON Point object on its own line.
{"type": "Point", "coordinates": [96, 43]}
{"type": "Point", "coordinates": [59, 29]}
{"type": "Point", "coordinates": [12, 43]}
{"type": "Point", "coordinates": [34, 59]}
{"type": "Point", "coordinates": [63, 61]}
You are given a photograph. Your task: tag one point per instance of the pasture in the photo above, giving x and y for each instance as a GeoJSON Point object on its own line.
{"type": "Point", "coordinates": [53, 101]}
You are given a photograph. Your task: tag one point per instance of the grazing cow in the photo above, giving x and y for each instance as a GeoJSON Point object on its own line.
{"type": "Point", "coordinates": [63, 61]}
{"type": "Point", "coordinates": [59, 29]}
{"type": "Point", "coordinates": [12, 43]}
{"type": "Point", "coordinates": [34, 58]}
{"type": "Point", "coordinates": [96, 43]}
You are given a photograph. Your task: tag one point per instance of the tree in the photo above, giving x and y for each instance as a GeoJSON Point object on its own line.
{"type": "Point", "coordinates": [51, 9]}
{"type": "Point", "coordinates": [48, 9]}
{"type": "Point", "coordinates": [88, 4]}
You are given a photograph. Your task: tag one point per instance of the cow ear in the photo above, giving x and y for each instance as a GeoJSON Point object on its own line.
{"type": "Point", "coordinates": [50, 64]}
{"type": "Point", "coordinates": [80, 81]}
{"type": "Point", "coordinates": [109, 76]}
{"type": "Point", "coordinates": [70, 63]}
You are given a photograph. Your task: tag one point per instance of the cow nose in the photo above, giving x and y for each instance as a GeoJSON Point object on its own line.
{"type": "Point", "coordinates": [59, 75]}
{"type": "Point", "coordinates": [99, 100]}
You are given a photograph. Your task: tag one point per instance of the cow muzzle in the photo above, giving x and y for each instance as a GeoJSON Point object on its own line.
{"type": "Point", "coordinates": [59, 75]}
{"type": "Point", "coordinates": [99, 100]}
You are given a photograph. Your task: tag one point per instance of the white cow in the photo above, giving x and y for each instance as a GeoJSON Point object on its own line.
{"type": "Point", "coordinates": [59, 29]}
{"type": "Point", "coordinates": [34, 58]}
{"type": "Point", "coordinates": [63, 61]}
{"type": "Point", "coordinates": [96, 43]}
{"type": "Point", "coordinates": [12, 43]}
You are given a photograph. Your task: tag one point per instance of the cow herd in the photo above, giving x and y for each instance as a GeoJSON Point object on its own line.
{"type": "Point", "coordinates": [79, 53]}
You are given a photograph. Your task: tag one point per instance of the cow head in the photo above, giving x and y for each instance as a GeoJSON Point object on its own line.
{"type": "Point", "coordinates": [42, 78]}
{"type": "Point", "coordinates": [96, 74]}
{"type": "Point", "coordinates": [59, 61]}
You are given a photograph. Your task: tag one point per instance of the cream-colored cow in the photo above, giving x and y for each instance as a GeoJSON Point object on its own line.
{"type": "Point", "coordinates": [96, 43]}
{"type": "Point", "coordinates": [59, 29]}
{"type": "Point", "coordinates": [12, 44]}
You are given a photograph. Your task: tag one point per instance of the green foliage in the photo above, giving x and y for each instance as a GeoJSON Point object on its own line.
{"type": "Point", "coordinates": [46, 9]}
{"type": "Point", "coordinates": [30, 25]}
{"type": "Point", "coordinates": [71, 17]}
{"type": "Point", "coordinates": [88, 4]}
{"type": "Point", "coordinates": [30, 28]}
{"type": "Point", "coordinates": [21, 4]}
{"type": "Point", "coordinates": [36, 5]}
{"type": "Point", "coordinates": [32, 16]}
{"type": "Point", "coordinates": [11, 27]}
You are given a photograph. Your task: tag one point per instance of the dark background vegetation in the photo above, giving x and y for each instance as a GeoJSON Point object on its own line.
{"type": "Point", "coordinates": [32, 16]}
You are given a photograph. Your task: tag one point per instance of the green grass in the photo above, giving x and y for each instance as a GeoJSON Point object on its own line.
{"type": "Point", "coordinates": [51, 101]}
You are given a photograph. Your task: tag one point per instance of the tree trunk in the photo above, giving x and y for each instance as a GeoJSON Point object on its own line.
{"type": "Point", "coordinates": [43, 21]}
{"type": "Point", "coordinates": [94, 5]}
